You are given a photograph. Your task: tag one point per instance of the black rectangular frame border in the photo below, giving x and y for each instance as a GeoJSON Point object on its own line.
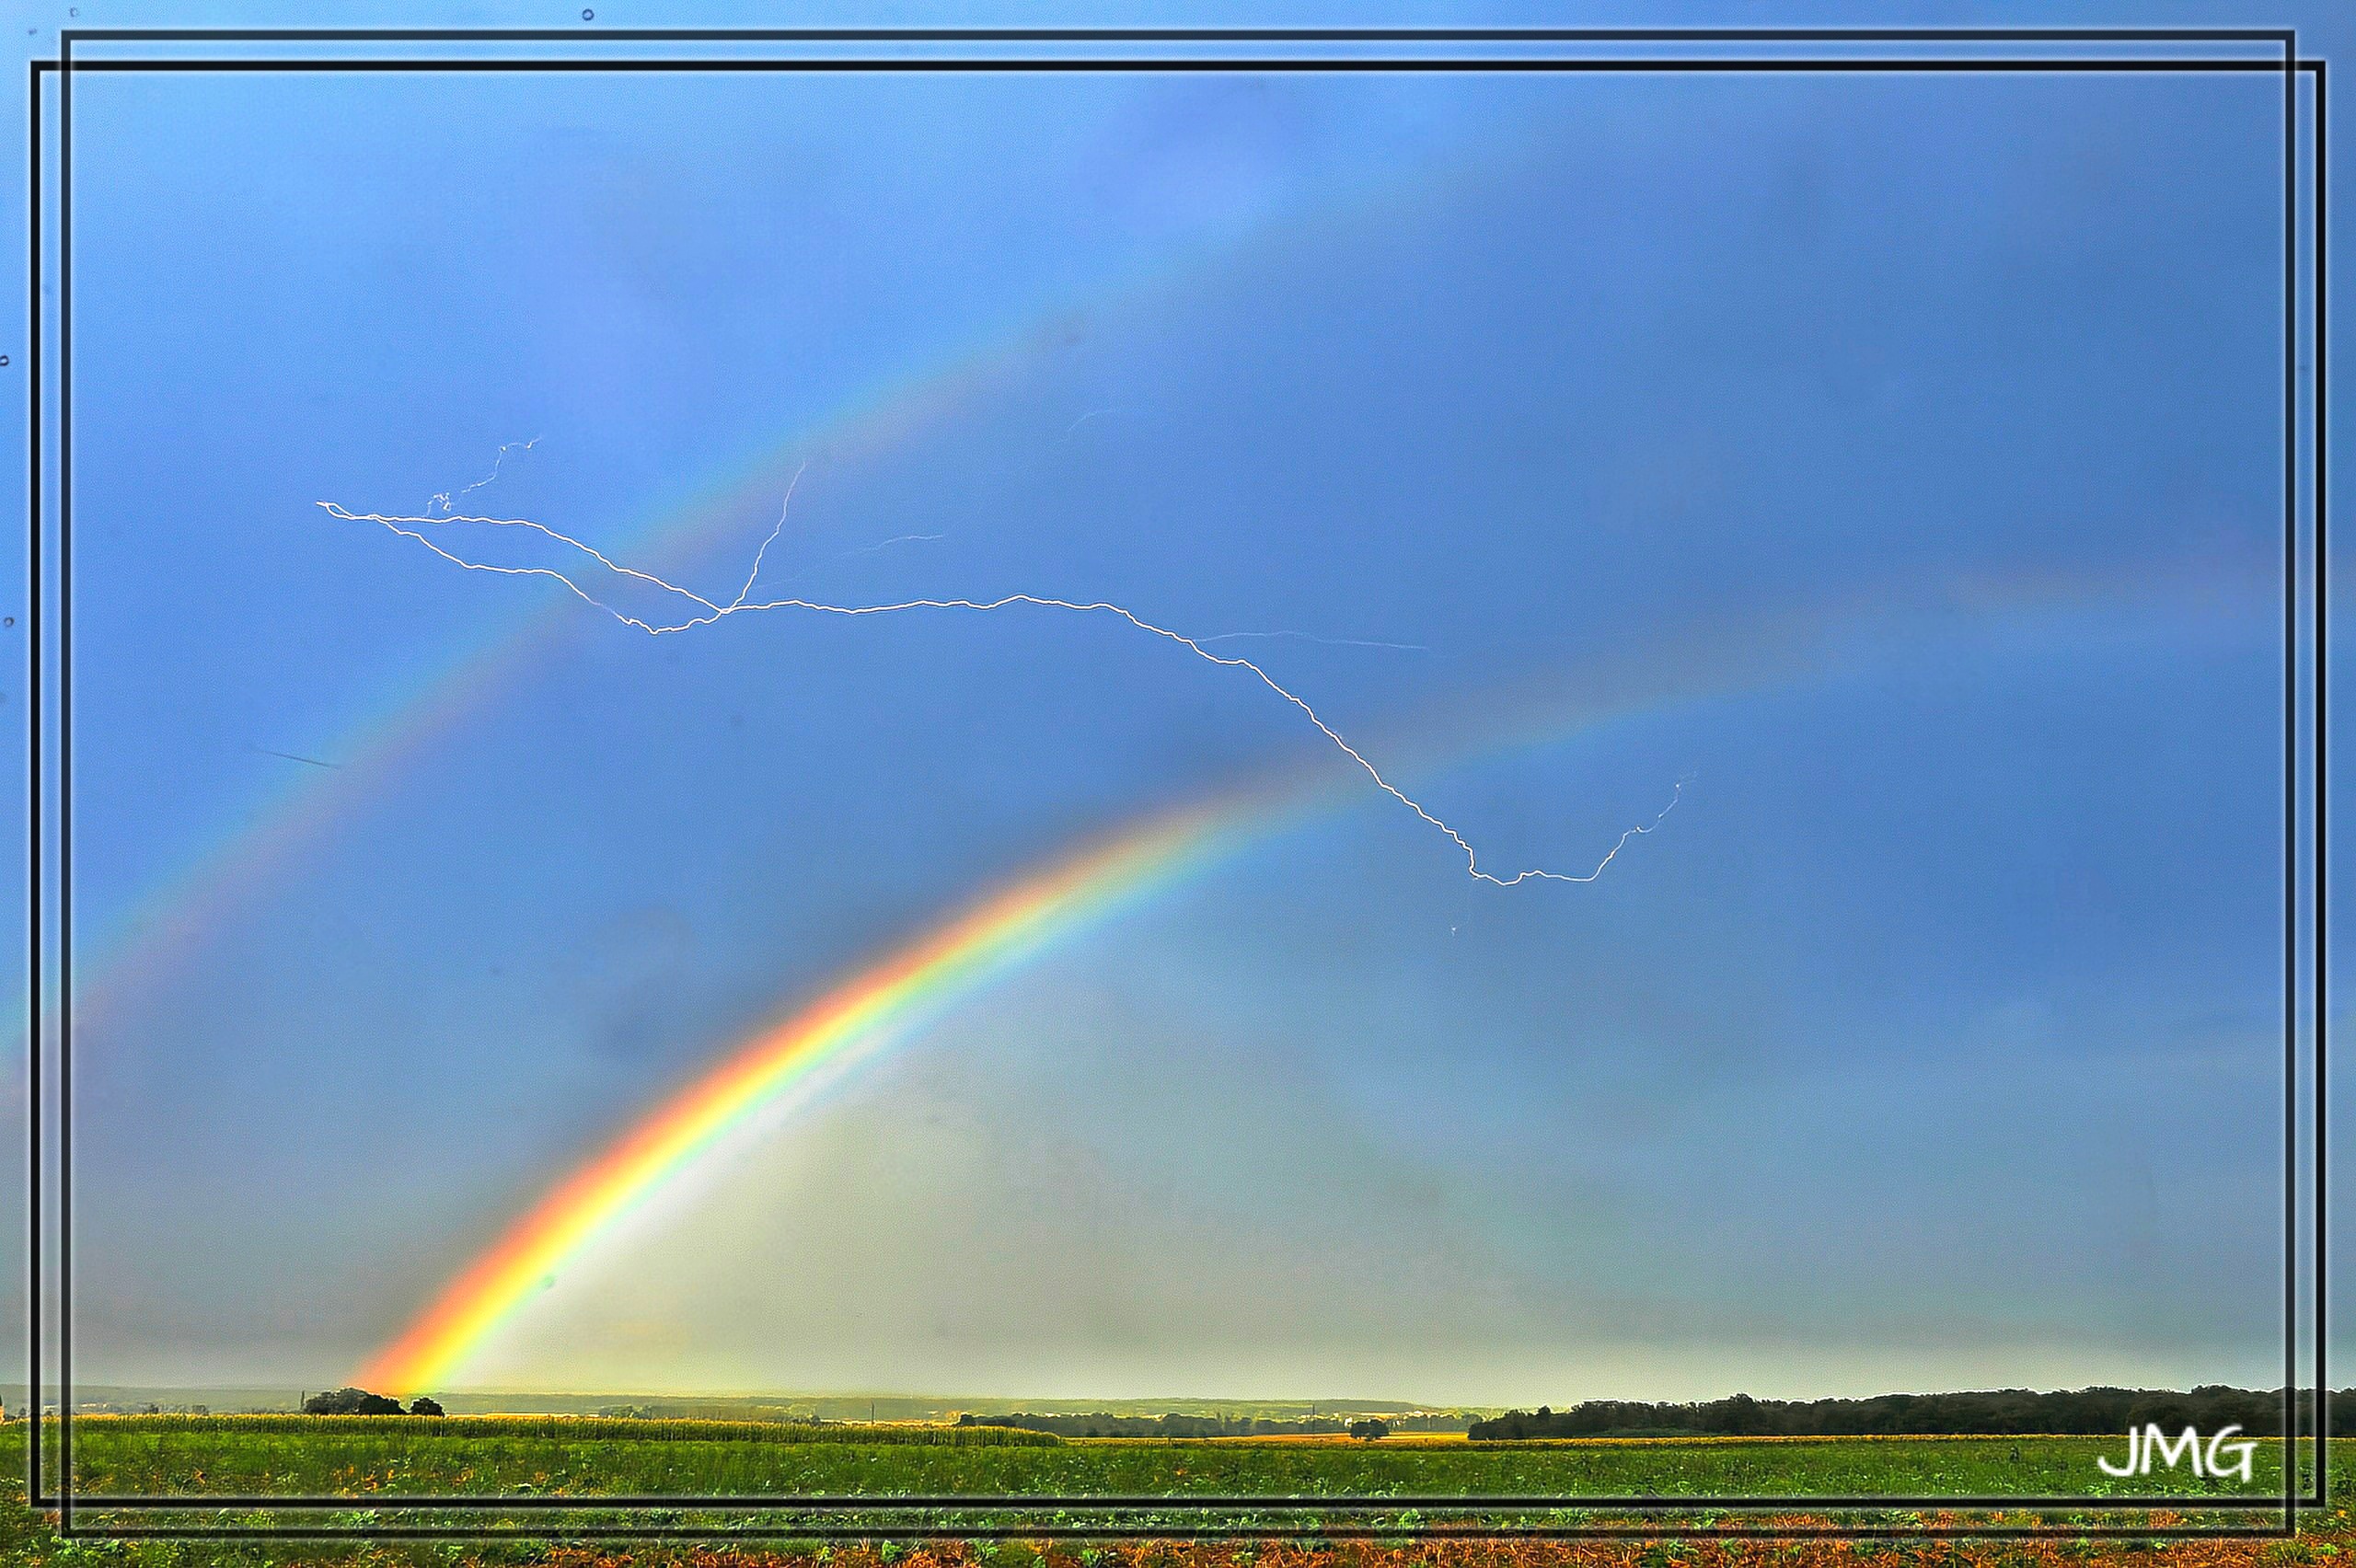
{"type": "Point", "coordinates": [63, 1502]}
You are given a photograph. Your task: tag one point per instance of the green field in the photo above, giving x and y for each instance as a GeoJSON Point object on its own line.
{"type": "Point", "coordinates": [358, 1456]}
{"type": "Point", "coordinates": [377, 1461]}
{"type": "Point", "coordinates": [383, 1460]}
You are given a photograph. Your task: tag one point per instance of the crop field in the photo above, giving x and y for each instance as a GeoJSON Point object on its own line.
{"type": "Point", "coordinates": [362, 1457]}
{"type": "Point", "coordinates": [383, 1464]}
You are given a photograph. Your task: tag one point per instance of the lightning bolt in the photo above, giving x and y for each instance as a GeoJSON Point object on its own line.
{"type": "Point", "coordinates": [895, 539]}
{"type": "Point", "coordinates": [443, 498]}
{"type": "Point", "coordinates": [709, 611]}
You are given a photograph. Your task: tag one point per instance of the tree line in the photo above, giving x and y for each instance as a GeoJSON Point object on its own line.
{"type": "Point", "coordinates": [360, 1402]}
{"type": "Point", "coordinates": [2100, 1412]}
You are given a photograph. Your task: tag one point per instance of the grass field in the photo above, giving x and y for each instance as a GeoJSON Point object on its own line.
{"type": "Point", "coordinates": [379, 1461]}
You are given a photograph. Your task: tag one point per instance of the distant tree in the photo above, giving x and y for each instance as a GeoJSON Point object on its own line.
{"type": "Point", "coordinates": [2095, 1410]}
{"type": "Point", "coordinates": [423, 1406]}
{"type": "Point", "coordinates": [351, 1401]}
{"type": "Point", "coordinates": [1370, 1429]}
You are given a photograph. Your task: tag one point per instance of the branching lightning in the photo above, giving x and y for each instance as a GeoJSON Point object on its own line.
{"type": "Point", "coordinates": [784, 507]}
{"type": "Point", "coordinates": [709, 611]}
{"type": "Point", "coordinates": [895, 539]}
{"type": "Point", "coordinates": [443, 498]}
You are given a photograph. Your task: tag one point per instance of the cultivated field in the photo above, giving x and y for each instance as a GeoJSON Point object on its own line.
{"type": "Point", "coordinates": [381, 1462]}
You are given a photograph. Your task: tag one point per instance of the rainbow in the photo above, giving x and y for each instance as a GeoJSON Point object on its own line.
{"type": "Point", "coordinates": [140, 947]}
{"type": "Point", "coordinates": [891, 997]}
{"type": "Point", "coordinates": [888, 1000]}
{"type": "Point", "coordinates": [878, 1004]}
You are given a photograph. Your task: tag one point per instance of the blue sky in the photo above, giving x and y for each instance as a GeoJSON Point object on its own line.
{"type": "Point", "coordinates": [1895, 459]}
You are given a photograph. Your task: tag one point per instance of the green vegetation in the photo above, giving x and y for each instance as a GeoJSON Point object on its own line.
{"type": "Point", "coordinates": [362, 1456]}
{"type": "Point", "coordinates": [374, 1460]}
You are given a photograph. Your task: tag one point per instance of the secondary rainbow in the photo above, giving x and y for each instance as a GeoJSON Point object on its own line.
{"type": "Point", "coordinates": [878, 1004]}
{"type": "Point", "coordinates": [139, 946]}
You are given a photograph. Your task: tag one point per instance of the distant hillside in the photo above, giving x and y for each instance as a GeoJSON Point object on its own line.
{"type": "Point", "coordinates": [123, 1399]}
{"type": "Point", "coordinates": [2090, 1412]}
{"type": "Point", "coordinates": [1111, 1423]}
{"type": "Point", "coordinates": [136, 1400]}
